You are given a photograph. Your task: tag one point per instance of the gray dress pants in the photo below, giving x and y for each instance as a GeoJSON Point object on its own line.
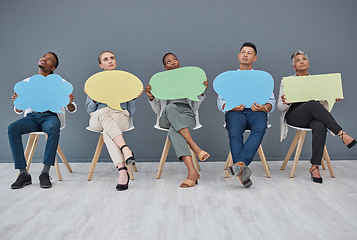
{"type": "Point", "coordinates": [175, 117]}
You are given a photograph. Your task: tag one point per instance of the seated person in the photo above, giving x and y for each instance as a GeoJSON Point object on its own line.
{"type": "Point", "coordinates": [240, 119]}
{"type": "Point", "coordinates": [48, 122]}
{"type": "Point", "coordinates": [311, 114]}
{"type": "Point", "coordinates": [180, 116]}
{"type": "Point", "coordinates": [113, 123]}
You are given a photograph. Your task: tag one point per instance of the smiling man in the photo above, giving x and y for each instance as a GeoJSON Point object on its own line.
{"type": "Point", "coordinates": [47, 122]}
{"type": "Point", "coordinates": [241, 118]}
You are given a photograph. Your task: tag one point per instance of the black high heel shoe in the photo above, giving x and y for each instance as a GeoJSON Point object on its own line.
{"type": "Point", "coordinates": [122, 187]}
{"type": "Point", "coordinates": [351, 144]}
{"type": "Point", "coordinates": [130, 160]}
{"type": "Point", "coordinates": [315, 179]}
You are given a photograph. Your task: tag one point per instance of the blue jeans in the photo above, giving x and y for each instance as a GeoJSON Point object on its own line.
{"type": "Point", "coordinates": [236, 124]}
{"type": "Point", "coordinates": [47, 122]}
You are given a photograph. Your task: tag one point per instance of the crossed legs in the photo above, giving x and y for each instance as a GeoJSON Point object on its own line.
{"type": "Point", "coordinates": [180, 120]}
{"type": "Point", "coordinates": [113, 122]}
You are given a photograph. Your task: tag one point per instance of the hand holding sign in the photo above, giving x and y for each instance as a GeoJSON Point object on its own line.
{"type": "Point", "coordinates": [185, 82]}
{"type": "Point", "coordinates": [313, 87]}
{"type": "Point", "coordinates": [244, 87]}
{"type": "Point", "coordinates": [43, 93]}
{"type": "Point", "coordinates": [113, 87]}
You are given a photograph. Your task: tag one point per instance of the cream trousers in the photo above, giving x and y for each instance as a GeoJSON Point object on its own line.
{"type": "Point", "coordinates": [112, 123]}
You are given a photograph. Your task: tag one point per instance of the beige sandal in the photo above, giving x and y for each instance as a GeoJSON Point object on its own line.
{"type": "Point", "coordinates": [203, 156]}
{"type": "Point", "coordinates": [189, 183]}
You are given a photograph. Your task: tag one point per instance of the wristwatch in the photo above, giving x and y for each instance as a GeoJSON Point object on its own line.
{"type": "Point", "coordinates": [265, 109]}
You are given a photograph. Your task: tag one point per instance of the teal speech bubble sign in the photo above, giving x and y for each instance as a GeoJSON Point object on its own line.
{"type": "Point", "coordinates": [185, 82]}
{"type": "Point", "coordinates": [43, 94]}
{"type": "Point", "coordinates": [244, 87]}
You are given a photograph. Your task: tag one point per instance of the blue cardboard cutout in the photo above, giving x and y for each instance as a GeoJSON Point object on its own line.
{"type": "Point", "coordinates": [244, 87]}
{"type": "Point", "coordinates": [43, 93]}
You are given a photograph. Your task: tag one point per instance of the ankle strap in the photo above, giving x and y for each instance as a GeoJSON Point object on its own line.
{"type": "Point", "coordinates": [122, 168]}
{"type": "Point", "coordinates": [121, 148]}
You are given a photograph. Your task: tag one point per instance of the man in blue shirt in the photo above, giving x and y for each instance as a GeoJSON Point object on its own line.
{"type": "Point", "coordinates": [242, 118]}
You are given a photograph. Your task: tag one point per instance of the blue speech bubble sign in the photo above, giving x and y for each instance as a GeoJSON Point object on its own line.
{"type": "Point", "coordinates": [43, 93]}
{"type": "Point", "coordinates": [244, 87]}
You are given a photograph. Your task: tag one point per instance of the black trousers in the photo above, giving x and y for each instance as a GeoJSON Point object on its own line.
{"type": "Point", "coordinates": [312, 114]}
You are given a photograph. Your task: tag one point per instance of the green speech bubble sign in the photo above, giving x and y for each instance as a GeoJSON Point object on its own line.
{"type": "Point", "coordinates": [313, 87]}
{"type": "Point", "coordinates": [185, 82]}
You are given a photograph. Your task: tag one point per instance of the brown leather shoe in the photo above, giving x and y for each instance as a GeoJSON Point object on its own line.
{"type": "Point", "coordinates": [240, 170]}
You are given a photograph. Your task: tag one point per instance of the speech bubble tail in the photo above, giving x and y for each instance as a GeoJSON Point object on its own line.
{"type": "Point", "coordinates": [194, 98]}
{"type": "Point", "coordinates": [116, 107]}
{"type": "Point", "coordinates": [330, 104]}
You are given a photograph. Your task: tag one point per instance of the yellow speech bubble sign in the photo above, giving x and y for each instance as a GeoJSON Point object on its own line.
{"type": "Point", "coordinates": [113, 87]}
{"type": "Point", "coordinates": [313, 87]}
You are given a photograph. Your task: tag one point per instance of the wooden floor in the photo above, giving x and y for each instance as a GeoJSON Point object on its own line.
{"type": "Point", "coordinates": [216, 208]}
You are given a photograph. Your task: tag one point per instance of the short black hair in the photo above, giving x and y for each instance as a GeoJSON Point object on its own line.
{"type": "Point", "coordinates": [249, 44]}
{"type": "Point", "coordinates": [57, 61]}
{"type": "Point", "coordinates": [169, 53]}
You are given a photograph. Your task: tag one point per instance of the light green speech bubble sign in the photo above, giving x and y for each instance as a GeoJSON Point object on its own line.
{"type": "Point", "coordinates": [113, 87]}
{"type": "Point", "coordinates": [184, 82]}
{"type": "Point", "coordinates": [313, 87]}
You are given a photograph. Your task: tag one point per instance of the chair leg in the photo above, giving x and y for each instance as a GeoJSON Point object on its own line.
{"type": "Point", "coordinates": [96, 157]}
{"type": "Point", "coordinates": [133, 166]}
{"type": "Point", "coordinates": [63, 158]}
{"type": "Point", "coordinates": [297, 153]}
{"type": "Point", "coordinates": [131, 175]}
{"type": "Point", "coordinates": [58, 172]}
{"type": "Point", "coordinates": [229, 163]}
{"type": "Point", "coordinates": [264, 161]}
{"type": "Point", "coordinates": [165, 151]}
{"type": "Point", "coordinates": [291, 150]}
{"type": "Point", "coordinates": [323, 165]}
{"type": "Point", "coordinates": [328, 162]}
{"type": "Point", "coordinates": [30, 149]}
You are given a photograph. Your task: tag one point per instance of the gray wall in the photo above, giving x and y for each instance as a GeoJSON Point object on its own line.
{"type": "Point", "coordinates": [207, 34]}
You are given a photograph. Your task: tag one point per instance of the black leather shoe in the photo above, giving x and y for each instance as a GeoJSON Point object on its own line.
{"type": "Point", "coordinates": [121, 187]}
{"type": "Point", "coordinates": [45, 180]}
{"type": "Point", "coordinates": [22, 180]}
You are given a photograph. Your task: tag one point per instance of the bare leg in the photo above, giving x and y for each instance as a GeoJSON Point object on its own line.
{"type": "Point", "coordinates": [192, 172]}
{"type": "Point", "coordinates": [196, 149]}
{"type": "Point", "coordinates": [119, 141]}
{"type": "Point", "coordinates": [123, 176]}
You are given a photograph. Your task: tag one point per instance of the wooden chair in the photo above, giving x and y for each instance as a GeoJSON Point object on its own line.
{"type": "Point", "coordinates": [98, 150]}
{"type": "Point", "coordinates": [30, 150]}
{"type": "Point", "coordinates": [297, 143]}
{"type": "Point", "coordinates": [229, 161]}
{"type": "Point", "coordinates": [166, 149]}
